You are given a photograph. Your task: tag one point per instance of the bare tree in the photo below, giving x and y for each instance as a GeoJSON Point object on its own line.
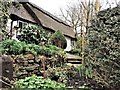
{"type": "Point", "coordinates": [75, 13]}
{"type": "Point", "coordinates": [79, 15]}
{"type": "Point", "coordinates": [72, 15]}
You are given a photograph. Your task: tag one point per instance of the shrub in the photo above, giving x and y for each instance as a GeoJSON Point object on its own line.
{"type": "Point", "coordinates": [62, 74]}
{"type": "Point", "coordinates": [33, 34]}
{"type": "Point", "coordinates": [11, 47]}
{"type": "Point", "coordinates": [85, 71]}
{"type": "Point", "coordinates": [104, 48]}
{"type": "Point", "coordinates": [14, 47]}
{"type": "Point", "coordinates": [79, 42]}
{"type": "Point", "coordinates": [75, 51]}
{"type": "Point", "coordinates": [58, 40]}
{"type": "Point", "coordinates": [38, 82]}
{"type": "Point", "coordinates": [58, 74]}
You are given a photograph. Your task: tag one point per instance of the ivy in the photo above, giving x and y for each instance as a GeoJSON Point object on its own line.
{"type": "Point", "coordinates": [104, 48]}
{"type": "Point", "coordinates": [33, 34]}
{"type": "Point", "coordinates": [4, 15]}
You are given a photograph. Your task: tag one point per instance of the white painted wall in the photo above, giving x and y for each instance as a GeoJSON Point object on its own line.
{"type": "Point", "coordinates": [9, 26]}
{"type": "Point", "coordinates": [69, 47]}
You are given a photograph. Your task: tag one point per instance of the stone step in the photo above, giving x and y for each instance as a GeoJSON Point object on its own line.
{"type": "Point", "coordinates": [71, 64]}
{"type": "Point", "coordinates": [74, 59]}
{"type": "Point", "coordinates": [74, 62]}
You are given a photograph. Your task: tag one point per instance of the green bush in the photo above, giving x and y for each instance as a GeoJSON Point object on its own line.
{"type": "Point", "coordinates": [58, 40]}
{"type": "Point", "coordinates": [58, 74]}
{"type": "Point", "coordinates": [14, 47]}
{"type": "Point", "coordinates": [104, 48]}
{"type": "Point", "coordinates": [75, 51]}
{"type": "Point", "coordinates": [85, 71]}
{"type": "Point", "coordinates": [33, 34]}
{"type": "Point", "coordinates": [38, 82]}
{"type": "Point", "coordinates": [79, 42]}
{"type": "Point", "coordinates": [11, 47]}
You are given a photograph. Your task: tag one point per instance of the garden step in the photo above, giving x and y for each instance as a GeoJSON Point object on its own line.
{"type": "Point", "coordinates": [73, 59]}
{"type": "Point", "coordinates": [74, 62]}
{"type": "Point", "coordinates": [75, 65]}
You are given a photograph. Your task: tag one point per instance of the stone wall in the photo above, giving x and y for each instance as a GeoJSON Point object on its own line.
{"type": "Point", "coordinates": [26, 65]}
{"type": "Point", "coordinates": [14, 67]}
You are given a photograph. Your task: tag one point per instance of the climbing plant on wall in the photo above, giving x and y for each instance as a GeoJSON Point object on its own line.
{"type": "Point", "coordinates": [4, 15]}
{"type": "Point", "coordinates": [34, 34]}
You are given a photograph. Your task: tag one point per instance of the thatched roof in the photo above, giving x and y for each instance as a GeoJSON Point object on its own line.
{"type": "Point", "coordinates": [29, 12]}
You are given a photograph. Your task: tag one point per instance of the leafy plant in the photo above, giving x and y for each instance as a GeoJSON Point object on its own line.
{"type": "Point", "coordinates": [104, 48]}
{"type": "Point", "coordinates": [78, 42]}
{"type": "Point", "coordinates": [85, 72]}
{"type": "Point", "coordinates": [58, 40]}
{"type": "Point", "coordinates": [58, 74]}
{"type": "Point", "coordinates": [33, 34]}
{"type": "Point", "coordinates": [75, 51]}
{"type": "Point", "coordinates": [13, 47]}
{"type": "Point", "coordinates": [4, 15]}
{"type": "Point", "coordinates": [38, 82]}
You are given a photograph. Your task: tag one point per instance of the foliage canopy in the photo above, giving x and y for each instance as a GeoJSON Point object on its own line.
{"type": "Point", "coordinates": [105, 47]}
{"type": "Point", "coordinates": [33, 34]}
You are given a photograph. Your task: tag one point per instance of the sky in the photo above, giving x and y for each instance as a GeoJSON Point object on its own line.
{"type": "Point", "coordinates": [53, 6]}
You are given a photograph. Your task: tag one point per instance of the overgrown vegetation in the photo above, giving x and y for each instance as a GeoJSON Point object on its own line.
{"type": "Point", "coordinates": [101, 67]}
{"type": "Point", "coordinates": [34, 34]}
{"type": "Point", "coordinates": [4, 15]}
{"type": "Point", "coordinates": [75, 51]}
{"type": "Point", "coordinates": [38, 82]}
{"type": "Point", "coordinates": [58, 40]}
{"type": "Point", "coordinates": [105, 48]}
{"type": "Point", "coordinates": [80, 77]}
{"type": "Point", "coordinates": [13, 47]}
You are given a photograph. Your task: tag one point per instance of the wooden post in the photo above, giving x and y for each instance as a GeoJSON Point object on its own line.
{"type": "Point", "coordinates": [43, 59]}
{"type": "Point", "coordinates": [83, 29]}
{"type": "Point", "coordinates": [97, 6]}
{"type": "Point", "coordinates": [11, 29]}
{"type": "Point", "coordinates": [82, 46]}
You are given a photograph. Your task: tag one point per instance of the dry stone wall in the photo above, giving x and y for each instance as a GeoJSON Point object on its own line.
{"type": "Point", "coordinates": [16, 67]}
{"type": "Point", "coordinates": [26, 65]}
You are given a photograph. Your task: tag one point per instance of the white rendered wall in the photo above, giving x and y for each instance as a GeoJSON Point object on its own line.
{"type": "Point", "coordinates": [9, 27]}
{"type": "Point", "coordinates": [69, 47]}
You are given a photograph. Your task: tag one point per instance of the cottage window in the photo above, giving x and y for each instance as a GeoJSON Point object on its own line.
{"type": "Point", "coordinates": [21, 24]}
{"type": "Point", "coordinates": [73, 43]}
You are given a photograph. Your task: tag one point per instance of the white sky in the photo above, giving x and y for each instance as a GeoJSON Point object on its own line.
{"type": "Point", "coordinates": [53, 6]}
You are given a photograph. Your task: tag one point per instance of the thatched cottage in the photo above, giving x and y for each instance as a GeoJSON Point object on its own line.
{"type": "Point", "coordinates": [30, 13]}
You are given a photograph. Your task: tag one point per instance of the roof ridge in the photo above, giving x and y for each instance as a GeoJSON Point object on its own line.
{"type": "Point", "coordinates": [49, 14]}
